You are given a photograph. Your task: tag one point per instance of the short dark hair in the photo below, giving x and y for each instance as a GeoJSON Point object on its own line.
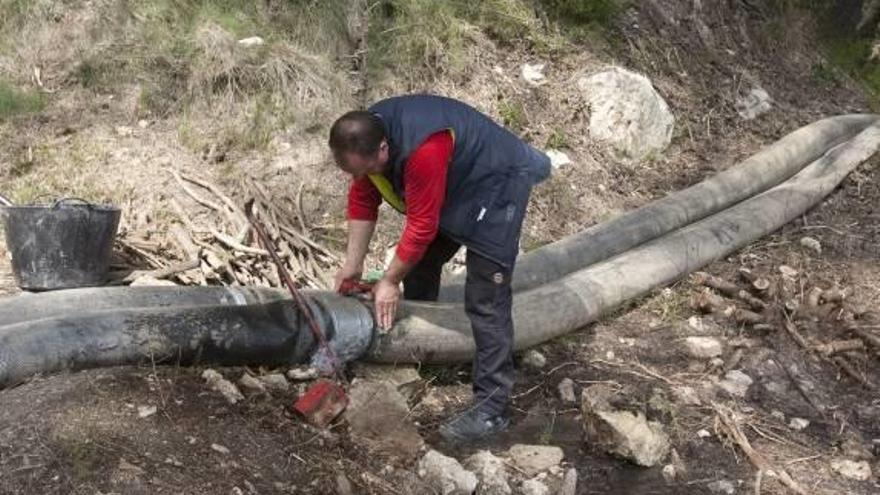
{"type": "Point", "coordinates": [357, 131]}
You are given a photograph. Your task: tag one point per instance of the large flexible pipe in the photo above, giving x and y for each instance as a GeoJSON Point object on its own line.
{"type": "Point", "coordinates": [35, 306]}
{"type": "Point", "coordinates": [761, 171]}
{"type": "Point", "coordinates": [440, 333]}
{"type": "Point", "coordinates": [247, 326]}
{"type": "Point", "coordinates": [235, 326]}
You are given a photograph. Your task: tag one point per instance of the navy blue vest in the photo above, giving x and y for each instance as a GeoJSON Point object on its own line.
{"type": "Point", "coordinates": [489, 179]}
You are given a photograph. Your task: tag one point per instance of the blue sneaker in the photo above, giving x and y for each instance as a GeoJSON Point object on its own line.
{"type": "Point", "coordinates": [473, 425]}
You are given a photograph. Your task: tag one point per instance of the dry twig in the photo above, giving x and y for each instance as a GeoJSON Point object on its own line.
{"type": "Point", "coordinates": [727, 422]}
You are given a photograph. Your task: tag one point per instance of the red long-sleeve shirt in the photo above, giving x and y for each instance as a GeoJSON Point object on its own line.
{"type": "Point", "coordinates": [424, 184]}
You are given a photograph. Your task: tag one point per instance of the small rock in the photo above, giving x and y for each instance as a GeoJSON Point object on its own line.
{"type": "Point", "coordinates": [533, 459]}
{"type": "Point", "coordinates": [343, 486]}
{"type": "Point", "coordinates": [753, 104]}
{"type": "Point", "coordinates": [251, 384]}
{"type": "Point", "coordinates": [127, 474]}
{"type": "Point", "coordinates": [146, 411]}
{"type": "Point", "coordinates": [569, 482]}
{"type": "Point", "coordinates": [219, 448]}
{"type": "Point", "coordinates": [566, 391]}
{"type": "Point", "coordinates": [716, 363]}
{"type": "Point", "coordinates": [302, 374]}
{"type": "Point", "coordinates": [850, 469]}
{"type": "Point", "coordinates": [226, 388]}
{"type": "Point", "coordinates": [722, 486]}
{"type": "Point", "coordinates": [811, 244]}
{"type": "Point", "coordinates": [378, 415]}
{"type": "Point", "coordinates": [491, 472]}
{"type": "Point", "coordinates": [558, 159]}
{"type": "Point", "coordinates": [143, 123]}
{"type": "Point", "coordinates": [798, 424]}
{"type": "Point", "coordinates": [669, 473]}
{"type": "Point", "coordinates": [631, 436]}
{"type": "Point", "coordinates": [788, 271]}
{"type": "Point", "coordinates": [736, 383]}
{"type": "Point", "coordinates": [777, 414]}
{"type": "Point", "coordinates": [697, 324]}
{"type": "Point", "coordinates": [275, 382]}
{"type": "Point", "coordinates": [703, 347]}
{"type": "Point", "coordinates": [252, 41]}
{"type": "Point", "coordinates": [124, 131]}
{"type": "Point", "coordinates": [686, 395]}
{"type": "Point", "coordinates": [534, 359]}
{"type": "Point", "coordinates": [534, 486]}
{"type": "Point", "coordinates": [446, 475]}
{"type": "Point", "coordinates": [534, 74]}
{"type": "Point", "coordinates": [173, 461]}
{"type": "Point", "coordinates": [704, 433]}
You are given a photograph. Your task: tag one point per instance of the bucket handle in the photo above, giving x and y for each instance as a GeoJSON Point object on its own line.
{"type": "Point", "coordinates": [59, 202]}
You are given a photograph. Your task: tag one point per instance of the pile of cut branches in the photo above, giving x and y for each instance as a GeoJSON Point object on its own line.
{"type": "Point", "coordinates": [217, 246]}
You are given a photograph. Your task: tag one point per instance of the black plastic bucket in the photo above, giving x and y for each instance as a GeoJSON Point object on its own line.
{"type": "Point", "coordinates": [60, 246]}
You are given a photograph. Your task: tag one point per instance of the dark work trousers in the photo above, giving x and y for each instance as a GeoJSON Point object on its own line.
{"type": "Point", "coordinates": [488, 303]}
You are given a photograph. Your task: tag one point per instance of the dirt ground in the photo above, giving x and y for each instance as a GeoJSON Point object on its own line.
{"type": "Point", "coordinates": [82, 433]}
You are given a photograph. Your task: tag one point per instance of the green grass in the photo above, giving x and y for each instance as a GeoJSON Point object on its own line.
{"type": "Point", "coordinates": [584, 11]}
{"type": "Point", "coordinates": [851, 56]}
{"type": "Point", "coordinates": [513, 115]}
{"type": "Point", "coordinates": [584, 20]}
{"type": "Point", "coordinates": [558, 139]}
{"type": "Point", "coordinates": [183, 57]}
{"type": "Point", "coordinates": [14, 101]}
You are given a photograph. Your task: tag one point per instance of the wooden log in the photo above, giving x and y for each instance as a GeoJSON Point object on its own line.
{"type": "Point", "coordinates": [744, 316]}
{"type": "Point", "coordinates": [723, 286]}
{"type": "Point", "coordinates": [751, 300]}
{"type": "Point", "coordinates": [838, 346]}
{"type": "Point", "coordinates": [707, 302]}
{"type": "Point", "coordinates": [871, 338]}
{"type": "Point", "coordinates": [759, 284]}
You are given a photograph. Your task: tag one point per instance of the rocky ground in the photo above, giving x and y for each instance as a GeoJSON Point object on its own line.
{"type": "Point", "coordinates": [680, 392]}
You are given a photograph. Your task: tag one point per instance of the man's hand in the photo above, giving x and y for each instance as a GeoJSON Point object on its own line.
{"type": "Point", "coordinates": [386, 297]}
{"type": "Point", "coordinates": [346, 273]}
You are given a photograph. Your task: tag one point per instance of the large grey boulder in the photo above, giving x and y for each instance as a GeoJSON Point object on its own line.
{"type": "Point", "coordinates": [378, 416]}
{"type": "Point", "coordinates": [623, 433]}
{"type": "Point", "coordinates": [627, 112]}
